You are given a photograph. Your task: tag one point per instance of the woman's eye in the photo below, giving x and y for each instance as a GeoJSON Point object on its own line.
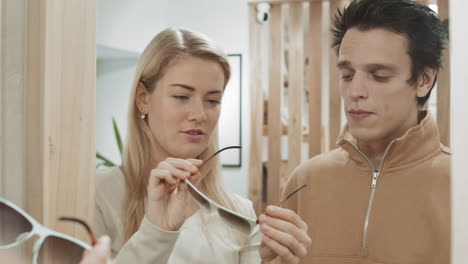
{"type": "Point", "coordinates": [213, 101]}
{"type": "Point", "coordinates": [181, 97]}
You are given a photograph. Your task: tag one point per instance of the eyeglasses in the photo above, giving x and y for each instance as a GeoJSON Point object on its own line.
{"type": "Point", "coordinates": [242, 223]}
{"type": "Point", "coordinates": [16, 226]}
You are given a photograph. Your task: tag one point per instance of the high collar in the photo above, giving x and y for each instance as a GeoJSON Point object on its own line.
{"type": "Point", "coordinates": [414, 145]}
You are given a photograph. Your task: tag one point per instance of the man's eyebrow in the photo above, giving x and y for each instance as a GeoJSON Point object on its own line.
{"type": "Point", "coordinates": [372, 67]}
{"type": "Point", "coordinates": [191, 89]}
{"type": "Point", "coordinates": [380, 66]}
{"type": "Point", "coordinates": [343, 64]}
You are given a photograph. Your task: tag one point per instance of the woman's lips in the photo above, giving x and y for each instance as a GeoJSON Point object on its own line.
{"type": "Point", "coordinates": [194, 134]}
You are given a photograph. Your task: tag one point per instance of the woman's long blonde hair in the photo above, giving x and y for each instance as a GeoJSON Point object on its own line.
{"type": "Point", "coordinates": [140, 154]}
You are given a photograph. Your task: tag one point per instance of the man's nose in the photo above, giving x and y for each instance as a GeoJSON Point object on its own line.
{"type": "Point", "coordinates": [357, 87]}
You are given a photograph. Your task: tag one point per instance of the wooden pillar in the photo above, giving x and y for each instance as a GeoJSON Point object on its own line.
{"type": "Point", "coordinates": [61, 72]}
{"type": "Point", "coordinates": [12, 105]}
{"type": "Point", "coordinates": [334, 83]}
{"type": "Point", "coordinates": [443, 85]}
{"type": "Point", "coordinates": [296, 84]}
{"type": "Point", "coordinates": [315, 80]}
{"type": "Point", "coordinates": [274, 104]}
{"type": "Point", "coordinates": [258, 45]}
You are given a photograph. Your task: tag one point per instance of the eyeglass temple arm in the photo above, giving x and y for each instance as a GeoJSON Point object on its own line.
{"type": "Point", "coordinates": [84, 224]}
{"type": "Point", "coordinates": [289, 195]}
{"type": "Point", "coordinates": [217, 152]}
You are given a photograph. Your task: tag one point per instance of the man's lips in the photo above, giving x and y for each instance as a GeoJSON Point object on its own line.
{"type": "Point", "coordinates": [359, 114]}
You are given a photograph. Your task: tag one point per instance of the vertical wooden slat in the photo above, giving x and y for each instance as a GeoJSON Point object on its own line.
{"type": "Point", "coordinates": [256, 109]}
{"type": "Point", "coordinates": [61, 61]}
{"type": "Point", "coordinates": [443, 86]}
{"type": "Point", "coordinates": [296, 84]}
{"type": "Point", "coordinates": [315, 80]}
{"type": "Point", "coordinates": [274, 104]}
{"type": "Point", "coordinates": [335, 97]}
{"type": "Point", "coordinates": [459, 184]}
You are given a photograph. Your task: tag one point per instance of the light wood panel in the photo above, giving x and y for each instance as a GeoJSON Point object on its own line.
{"type": "Point", "coordinates": [334, 105]}
{"type": "Point", "coordinates": [274, 104]}
{"type": "Point", "coordinates": [296, 84]}
{"type": "Point", "coordinates": [61, 66]}
{"type": "Point", "coordinates": [257, 84]}
{"type": "Point", "coordinates": [315, 78]}
{"type": "Point", "coordinates": [443, 86]}
{"type": "Point", "coordinates": [278, 2]}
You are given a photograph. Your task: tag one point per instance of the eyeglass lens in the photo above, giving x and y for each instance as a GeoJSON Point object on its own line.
{"type": "Point", "coordinates": [58, 250]}
{"type": "Point", "coordinates": [235, 221]}
{"type": "Point", "coordinates": [13, 226]}
{"type": "Point", "coordinates": [202, 201]}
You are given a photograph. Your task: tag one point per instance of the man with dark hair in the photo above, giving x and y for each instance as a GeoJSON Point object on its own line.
{"type": "Point", "coordinates": [384, 195]}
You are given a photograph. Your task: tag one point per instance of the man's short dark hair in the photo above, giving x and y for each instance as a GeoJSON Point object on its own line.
{"type": "Point", "coordinates": [425, 31]}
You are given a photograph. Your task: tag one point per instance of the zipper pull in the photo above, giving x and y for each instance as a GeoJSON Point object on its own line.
{"type": "Point", "coordinates": [375, 176]}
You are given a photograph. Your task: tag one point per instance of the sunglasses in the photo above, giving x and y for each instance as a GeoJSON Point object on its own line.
{"type": "Point", "coordinates": [16, 227]}
{"type": "Point", "coordinates": [242, 223]}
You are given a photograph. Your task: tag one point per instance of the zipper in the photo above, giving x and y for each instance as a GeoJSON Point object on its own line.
{"type": "Point", "coordinates": [375, 178]}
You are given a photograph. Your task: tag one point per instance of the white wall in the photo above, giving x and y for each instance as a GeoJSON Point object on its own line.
{"type": "Point", "coordinates": [130, 25]}
{"type": "Point", "coordinates": [114, 78]}
{"type": "Point", "coordinates": [459, 59]}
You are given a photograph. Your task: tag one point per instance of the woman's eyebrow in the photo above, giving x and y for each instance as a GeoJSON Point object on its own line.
{"type": "Point", "coordinates": [191, 89]}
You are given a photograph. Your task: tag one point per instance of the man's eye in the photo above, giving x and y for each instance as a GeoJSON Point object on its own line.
{"type": "Point", "coordinates": [381, 78]}
{"type": "Point", "coordinates": [348, 77]}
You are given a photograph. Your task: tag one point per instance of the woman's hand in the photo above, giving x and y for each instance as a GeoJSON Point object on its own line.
{"type": "Point", "coordinates": [167, 202]}
{"type": "Point", "coordinates": [99, 254]}
{"type": "Point", "coordinates": [285, 238]}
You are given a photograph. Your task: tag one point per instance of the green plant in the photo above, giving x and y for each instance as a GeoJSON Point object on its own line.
{"type": "Point", "coordinates": [105, 161]}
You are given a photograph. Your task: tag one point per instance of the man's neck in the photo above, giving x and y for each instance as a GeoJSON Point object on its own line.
{"type": "Point", "coordinates": [374, 151]}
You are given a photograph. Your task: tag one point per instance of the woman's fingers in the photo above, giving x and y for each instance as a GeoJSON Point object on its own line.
{"type": "Point", "coordinates": [171, 171]}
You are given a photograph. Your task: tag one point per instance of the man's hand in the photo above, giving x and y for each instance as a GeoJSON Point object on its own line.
{"type": "Point", "coordinates": [99, 254]}
{"type": "Point", "coordinates": [285, 237]}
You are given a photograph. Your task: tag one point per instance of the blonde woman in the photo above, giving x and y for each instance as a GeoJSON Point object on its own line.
{"type": "Point", "coordinates": [144, 205]}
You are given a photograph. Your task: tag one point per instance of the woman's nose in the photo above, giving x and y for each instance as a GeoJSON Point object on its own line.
{"type": "Point", "coordinates": [196, 111]}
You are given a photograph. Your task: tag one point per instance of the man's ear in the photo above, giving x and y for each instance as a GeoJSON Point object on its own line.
{"type": "Point", "coordinates": [142, 98]}
{"type": "Point", "coordinates": [426, 81]}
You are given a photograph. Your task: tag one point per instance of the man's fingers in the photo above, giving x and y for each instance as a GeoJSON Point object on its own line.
{"type": "Point", "coordinates": [283, 252]}
{"type": "Point", "coordinates": [285, 239]}
{"type": "Point", "coordinates": [286, 227]}
{"type": "Point", "coordinates": [286, 215]}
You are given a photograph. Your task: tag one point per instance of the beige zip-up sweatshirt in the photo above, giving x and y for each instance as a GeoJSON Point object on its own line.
{"type": "Point", "coordinates": [398, 213]}
{"type": "Point", "coordinates": [151, 245]}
